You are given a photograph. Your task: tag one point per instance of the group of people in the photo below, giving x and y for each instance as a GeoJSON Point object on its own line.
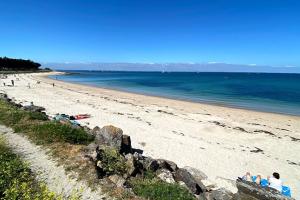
{"type": "Point", "coordinates": [273, 182]}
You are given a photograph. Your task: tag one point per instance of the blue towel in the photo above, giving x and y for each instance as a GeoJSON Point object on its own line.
{"type": "Point", "coordinates": [264, 183]}
{"type": "Point", "coordinates": [286, 191]}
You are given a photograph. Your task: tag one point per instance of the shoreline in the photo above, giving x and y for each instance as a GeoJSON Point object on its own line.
{"type": "Point", "coordinates": [221, 105]}
{"type": "Point", "coordinates": [210, 138]}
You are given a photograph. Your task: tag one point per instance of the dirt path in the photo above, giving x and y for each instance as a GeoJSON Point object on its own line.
{"type": "Point", "coordinates": [46, 169]}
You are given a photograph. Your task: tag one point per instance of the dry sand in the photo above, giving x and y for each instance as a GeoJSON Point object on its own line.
{"type": "Point", "coordinates": [222, 142]}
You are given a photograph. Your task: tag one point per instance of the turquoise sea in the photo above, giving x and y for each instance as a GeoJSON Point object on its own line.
{"type": "Point", "coordinates": [279, 93]}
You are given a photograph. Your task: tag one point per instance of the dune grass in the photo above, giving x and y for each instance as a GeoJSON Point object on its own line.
{"type": "Point", "coordinates": [37, 126]}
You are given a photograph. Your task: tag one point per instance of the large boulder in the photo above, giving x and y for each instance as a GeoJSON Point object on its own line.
{"type": "Point", "coordinates": [197, 174]}
{"type": "Point", "coordinates": [252, 191]}
{"type": "Point", "coordinates": [113, 136]}
{"type": "Point", "coordinates": [110, 136]}
{"type": "Point", "coordinates": [194, 186]}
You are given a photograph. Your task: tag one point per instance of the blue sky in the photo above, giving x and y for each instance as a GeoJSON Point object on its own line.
{"type": "Point", "coordinates": [262, 32]}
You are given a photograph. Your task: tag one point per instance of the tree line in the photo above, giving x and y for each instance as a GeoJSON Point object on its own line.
{"type": "Point", "coordinates": [11, 64]}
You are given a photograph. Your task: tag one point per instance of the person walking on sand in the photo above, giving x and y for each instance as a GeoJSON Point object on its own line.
{"type": "Point", "coordinates": [275, 182]}
{"type": "Point", "coordinates": [53, 84]}
{"type": "Point", "coordinates": [13, 82]}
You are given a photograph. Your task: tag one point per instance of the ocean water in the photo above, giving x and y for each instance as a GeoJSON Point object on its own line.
{"type": "Point", "coordinates": [279, 93]}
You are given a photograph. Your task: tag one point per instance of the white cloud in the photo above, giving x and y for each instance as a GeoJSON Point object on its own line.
{"type": "Point", "coordinates": [290, 66]}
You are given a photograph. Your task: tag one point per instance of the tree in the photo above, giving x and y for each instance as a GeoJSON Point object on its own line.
{"type": "Point", "coordinates": [11, 64]}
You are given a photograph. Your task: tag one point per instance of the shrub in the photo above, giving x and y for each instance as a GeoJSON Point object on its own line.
{"type": "Point", "coordinates": [155, 189]}
{"type": "Point", "coordinates": [112, 162]}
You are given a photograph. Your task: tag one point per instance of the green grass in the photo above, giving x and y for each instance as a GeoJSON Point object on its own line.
{"type": "Point", "coordinates": [154, 189]}
{"type": "Point", "coordinates": [37, 126]}
{"type": "Point", "coordinates": [16, 179]}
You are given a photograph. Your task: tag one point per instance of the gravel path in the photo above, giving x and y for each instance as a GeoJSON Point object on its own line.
{"type": "Point", "coordinates": [46, 169]}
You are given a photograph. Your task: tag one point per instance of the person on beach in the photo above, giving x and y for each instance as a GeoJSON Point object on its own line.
{"type": "Point", "coordinates": [13, 82]}
{"type": "Point", "coordinates": [248, 177]}
{"type": "Point", "coordinates": [275, 181]}
{"type": "Point", "coordinates": [53, 84]}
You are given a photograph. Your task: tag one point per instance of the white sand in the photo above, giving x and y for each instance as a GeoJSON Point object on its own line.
{"type": "Point", "coordinates": [184, 132]}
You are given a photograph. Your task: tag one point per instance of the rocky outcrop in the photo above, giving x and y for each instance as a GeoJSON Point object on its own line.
{"type": "Point", "coordinates": [196, 187]}
{"type": "Point", "coordinates": [252, 191]}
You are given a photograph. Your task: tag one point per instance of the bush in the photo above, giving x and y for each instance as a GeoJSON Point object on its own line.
{"type": "Point", "coordinates": [16, 179]}
{"type": "Point", "coordinates": [155, 189]}
{"type": "Point", "coordinates": [112, 162]}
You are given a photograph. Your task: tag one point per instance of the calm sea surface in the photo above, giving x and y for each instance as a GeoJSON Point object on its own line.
{"type": "Point", "coordinates": [278, 93]}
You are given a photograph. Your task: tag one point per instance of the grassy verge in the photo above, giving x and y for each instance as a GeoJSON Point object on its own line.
{"type": "Point", "coordinates": [158, 190]}
{"type": "Point", "coordinates": [152, 188]}
{"type": "Point", "coordinates": [16, 179]}
{"type": "Point", "coordinates": [38, 128]}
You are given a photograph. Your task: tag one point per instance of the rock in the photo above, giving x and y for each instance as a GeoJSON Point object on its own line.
{"type": "Point", "coordinates": [95, 130]}
{"type": "Point", "coordinates": [166, 164]}
{"type": "Point", "coordinates": [194, 186]}
{"type": "Point", "coordinates": [197, 174]}
{"type": "Point", "coordinates": [90, 151]}
{"type": "Point", "coordinates": [165, 175]}
{"type": "Point", "coordinates": [126, 145]}
{"type": "Point", "coordinates": [119, 181]}
{"type": "Point", "coordinates": [138, 156]}
{"type": "Point", "coordinates": [220, 194]}
{"type": "Point", "coordinates": [252, 191]}
{"type": "Point", "coordinates": [4, 97]}
{"type": "Point", "coordinates": [87, 130]}
{"type": "Point", "coordinates": [110, 136]}
{"type": "Point", "coordinates": [130, 162]}
{"type": "Point", "coordinates": [150, 164]}
{"type": "Point", "coordinates": [33, 108]}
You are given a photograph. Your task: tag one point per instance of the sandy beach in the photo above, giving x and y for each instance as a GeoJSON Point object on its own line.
{"type": "Point", "coordinates": [222, 142]}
